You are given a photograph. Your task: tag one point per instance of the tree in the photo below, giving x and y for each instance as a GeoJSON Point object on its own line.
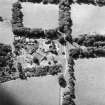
{"type": "Point", "coordinates": [36, 60]}
{"type": "Point", "coordinates": [1, 19]}
{"type": "Point", "coordinates": [62, 41]}
{"type": "Point", "coordinates": [62, 81]}
{"type": "Point", "coordinates": [19, 66]}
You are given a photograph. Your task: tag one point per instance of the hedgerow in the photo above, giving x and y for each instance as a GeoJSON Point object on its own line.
{"type": "Point", "coordinates": [6, 63]}
{"type": "Point", "coordinates": [92, 52]}
{"type": "Point", "coordinates": [43, 1]}
{"type": "Point", "coordinates": [43, 71]}
{"type": "Point", "coordinates": [93, 2]}
{"type": "Point", "coordinates": [90, 40]}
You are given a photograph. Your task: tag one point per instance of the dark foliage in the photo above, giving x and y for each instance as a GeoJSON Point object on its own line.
{"type": "Point", "coordinates": [51, 34]}
{"type": "Point", "coordinates": [67, 100]}
{"type": "Point", "coordinates": [1, 19]}
{"type": "Point", "coordinates": [62, 81]}
{"type": "Point", "coordinates": [65, 22]}
{"type": "Point", "coordinates": [86, 2]}
{"type": "Point", "coordinates": [101, 2]}
{"type": "Point", "coordinates": [93, 2]}
{"type": "Point", "coordinates": [54, 70]}
{"type": "Point", "coordinates": [5, 55]}
{"type": "Point", "coordinates": [19, 66]}
{"type": "Point", "coordinates": [71, 61]}
{"type": "Point", "coordinates": [68, 94]}
{"type": "Point", "coordinates": [92, 52]}
{"type": "Point", "coordinates": [74, 53]}
{"type": "Point", "coordinates": [43, 1]}
{"type": "Point", "coordinates": [17, 15]}
{"type": "Point", "coordinates": [68, 38]}
{"type": "Point", "coordinates": [48, 42]}
{"type": "Point", "coordinates": [62, 41]}
{"type": "Point", "coordinates": [36, 60]}
{"type": "Point", "coordinates": [21, 72]}
{"type": "Point", "coordinates": [90, 40]}
{"type": "Point", "coordinates": [41, 71]}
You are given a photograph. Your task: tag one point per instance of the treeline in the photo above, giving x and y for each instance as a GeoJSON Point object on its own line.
{"type": "Point", "coordinates": [65, 21]}
{"type": "Point", "coordinates": [18, 45]}
{"type": "Point", "coordinates": [36, 33]}
{"type": "Point", "coordinates": [90, 40]}
{"type": "Point", "coordinates": [43, 1]}
{"type": "Point", "coordinates": [5, 54]}
{"type": "Point", "coordinates": [90, 52]}
{"type": "Point", "coordinates": [93, 2]}
{"type": "Point", "coordinates": [6, 63]}
{"type": "Point", "coordinates": [17, 16]}
{"type": "Point", "coordinates": [65, 26]}
{"type": "Point", "coordinates": [69, 94]}
{"type": "Point", "coordinates": [43, 71]}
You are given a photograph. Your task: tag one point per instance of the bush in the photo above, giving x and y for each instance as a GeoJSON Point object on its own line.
{"type": "Point", "coordinates": [19, 66]}
{"type": "Point", "coordinates": [62, 41]}
{"type": "Point", "coordinates": [54, 70]}
{"type": "Point", "coordinates": [74, 53]}
{"type": "Point", "coordinates": [40, 71]}
{"type": "Point", "coordinates": [51, 34]}
{"type": "Point", "coordinates": [90, 40]}
{"type": "Point", "coordinates": [68, 38]}
{"type": "Point", "coordinates": [1, 19]}
{"type": "Point", "coordinates": [36, 60]}
{"type": "Point", "coordinates": [62, 81]}
{"type": "Point", "coordinates": [67, 100]}
{"type": "Point", "coordinates": [87, 2]}
{"type": "Point", "coordinates": [44, 1]}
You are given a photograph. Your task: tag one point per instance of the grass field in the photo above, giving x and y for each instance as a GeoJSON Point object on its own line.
{"type": "Point", "coordinates": [34, 91]}
{"type": "Point", "coordinates": [90, 83]}
{"type": "Point", "coordinates": [40, 16]}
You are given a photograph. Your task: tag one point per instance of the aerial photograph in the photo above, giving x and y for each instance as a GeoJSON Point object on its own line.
{"type": "Point", "coordinates": [52, 52]}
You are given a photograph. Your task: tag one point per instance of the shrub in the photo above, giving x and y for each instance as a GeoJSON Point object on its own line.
{"type": "Point", "coordinates": [36, 60]}
{"type": "Point", "coordinates": [51, 34]}
{"type": "Point", "coordinates": [87, 2]}
{"type": "Point", "coordinates": [40, 71]}
{"type": "Point", "coordinates": [62, 81]}
{"type": "Point", "coordinates": [1, 19]}
{"type": "Point", "coordinates": [67, 100]}
{"type": "Point", "coordinates": [54, 70]}
{"type": "Point", "coordinates": [62, 41]}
